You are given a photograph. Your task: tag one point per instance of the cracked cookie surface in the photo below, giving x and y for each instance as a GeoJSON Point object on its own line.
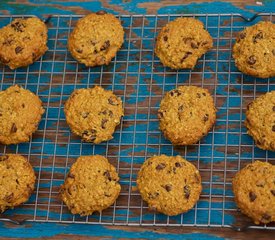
{"type": "Point", "coordinates": [254, 190]}
{"type": "Point", "coordinates": [20, 114]}
{"type": "Point", "coordinates": [17, 179]}
{"type": "Point", "coordinates": [96, 39]}
{"type": "Point", "coordinates": [254, 50]}
{"type": "Point", "coordinates": [93, 113]}
{"type": "Point", "coordinates": [170, 185]}
{"type": "Point", "coordinates": [260, 121]}
{"type": "Point", "coordinates": [91, 185]}
{"type": "Point", "coordinates": [22, 42]}
{"type": "Point", "coordinates": [186, 114]}
{"type": "Point", "coordinates": [182, 42]}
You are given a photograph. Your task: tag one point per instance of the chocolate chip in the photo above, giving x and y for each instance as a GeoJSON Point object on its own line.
{"type": "Point", "coordinates": [175, 93]}
{"type": "Point", "coordinates": [273, 192]}
{"type": "Point", "coordinates": [4, 158]}
{"type": "Point", "coordinates": [89, 135]}
{"type": "Point", "coordinates": [101, 12]}
{"type": "Point", "coordinates": [113, 101]}
{"type": "Point", "coordinates": [194, 45]}
{"type": "Point", "coordinates": [18, 50]}
{"type": "Point", "coordinates": [273, 52]}
{"type": "Point", "coordinates": [153, 195]}
{"type": "Point", "coordinates": [160, 166]}
{"type": "Point", "coordinates": [260, 183]}
{"type": "Point", "coordinates": [242, 35]}
{"type": "Point", "coordinates": [178, 164]}
{"type": "Point", "coordinates": [266, 217]}
{"type": "Point", "coordinates": [105, 46]}
{"type": "Point", "coordinates": [204, 94]}
{"type": "Point", "coordinates": [252, 196]}
{"type": "Point", "coordinates": [204, 43]}
{"type": "Point", "coordinates": [206, 117]}
{"type": "Point", "coordinates": [160, 115]}
{"type": "Point", "coordinates": [18, 27]}
{"type": "Point", "coordinates": [198, 95]}
{"type": "Point", "coordinates": [23, 105]}
{"type": "Point", "coordinates": [103, 123]}
{"type": "Point", "coordinates": [111, 114]}
{"type": "Point", "coordinates": [180, 109]}
{"type": "Point", "coordinates": [13, 128]}
{"type": "Point", "coordinates": [273, 108]}
{"type": "Point", "coordinates": [26, 38]}
{"type": "Point", "coordinates": [251, 60]}
{"type": "Point", "coordinates": [186, 190]}
{"type": "Point", "coordinates": [79, 50]}
{"type": "Point", "coordinates": [8, 42]}
{"type": "Point", "coordinates": [93, 42]}
{"type": "Point", "coordinates": [104, 112]}
{"type": "Point", "coordinates": [273, 128]}
{"type": "Point", "coordinates": [107, 175]}
{"type": "Point", "coordinates": [9, 197]}
{"type": "Point", "coordinates": [186, 55]}
{"type": "Point", "coordinates": [70, 175]}
{"type": "Point", "coordinates": [168, 187]}
{"type": "Point", "coordinates": [165, 38]}
{"type": "Point", "coordinates": [257, 37]}
{"type": "Point", "coordinates": [84, 114]}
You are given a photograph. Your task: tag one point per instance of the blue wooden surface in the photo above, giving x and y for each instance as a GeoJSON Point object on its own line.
{"type": "Point", "coordinates": [41, 8]}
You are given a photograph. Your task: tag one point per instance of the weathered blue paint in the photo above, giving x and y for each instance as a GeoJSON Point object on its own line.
{"type": "Point", "coordinates": [48, 230]}
{"type": "Point", "coordinates": [40, 8]}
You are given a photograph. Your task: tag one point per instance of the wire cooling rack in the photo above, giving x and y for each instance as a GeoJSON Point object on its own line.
{"type": "Point", "coordinates": [137, 76]}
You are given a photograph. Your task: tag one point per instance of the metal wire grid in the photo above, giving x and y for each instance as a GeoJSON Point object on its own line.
{"type": "Point", "coordinates": [138, 77]}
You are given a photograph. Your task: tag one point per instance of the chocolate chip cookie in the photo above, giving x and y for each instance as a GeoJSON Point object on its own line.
{"type": "Point", "coordinates": [254, 190]}
{"type": "Point", "coordinates": [260, 121]}
{"type": "Point", "coordinates": [170, 185]}
{"type": "Point", "coordinates": [17, 180]}
{"type": "Point", "coordinates": [93, 113]}
{"type": "Point", "coordinates": [254, 50]}
{"type": "Point", "coordinates": [20, 114]}
{"type": "Point", "coordinates": [96, 39]}
{"type": "Point", "coordinates": [186, 114]}
{"type": "Point", "coordinates": [22, 42]}
{"type": "Point", "coordinates": [182, 42]}
{"type": "Point", "coordinates": [91, 185]}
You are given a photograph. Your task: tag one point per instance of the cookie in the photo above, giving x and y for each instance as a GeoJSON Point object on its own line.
{"type": "Point", "coordinates": [96, 39]}
{"type": "Point", "coordinates": [17, 180]}
{"type": "Point", "coordinates": [254, 190]}
{"type": "Point", "coordinates": [20, 114]}
{"type": "Point", "coordinates": [91, 185]}
{"type": "Point", "coordinates": [186, 114]}
{"type": "Point", "coordinates": [260, 121]}
{"type": "Point", "coordinates": [93, 113]}
{"type": "Point", "coordinates": [22, 42]}
{"type": "Point", "coordinates": [170, 185]}
{"type": "Point", "coordinates": [182, 42]}
{"type": "Point", "coordinates": [254, 50]}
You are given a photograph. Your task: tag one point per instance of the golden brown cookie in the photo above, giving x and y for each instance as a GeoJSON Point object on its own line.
{"type": "Point", "coordinates": [91, 185]}
{"type": "Point", "coordinates": [254, 50]}
{"type": "Point", "coordinates": [17, 180]}
{"type": "Point", "coordinates": [20, 114]}
{"type": "Point", "coordinates": [96, 39]}
{"type": "Point", "coordinates": [186, 114]}
{"type": "Point", "coordinates": [170, 185]}
{"type": "Point", "coordinates": [182, 42]}
{"type": "Point", "coordinates": [260, 121]}
{"type": "Point", "coordinates": [254, 190]}
{"type": "Point", "coordinates": [22, 42]}
{"type": "Point", "coordinates": [93, 113]}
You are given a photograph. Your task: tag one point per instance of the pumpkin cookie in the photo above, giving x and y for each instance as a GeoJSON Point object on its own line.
{"type": "Point", "coordinates": [254, 190]}
{"type": "Point", "coordinates": [170, 185]}
{"type": "Point", "coordinates": [96, 39]}
{"type": "Point", "coordinates": [260, 121]}
{"type": "Point", "coordinates": [20, 114]}
{"type": "Point", "coordinates": [93, 113]}
{"type": "Point", "coordinates": [22, 42]}
{"type": "Point", "coordinates": [182, 42]}
{"type": "Point", "coordinates": [186, 114]}
{"type": "Point", "coordinates": [17, 180]}
{"type": "Point", "coordinates": [254, 50]}
{"type": "Point", "coordinates": [91, 185]}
